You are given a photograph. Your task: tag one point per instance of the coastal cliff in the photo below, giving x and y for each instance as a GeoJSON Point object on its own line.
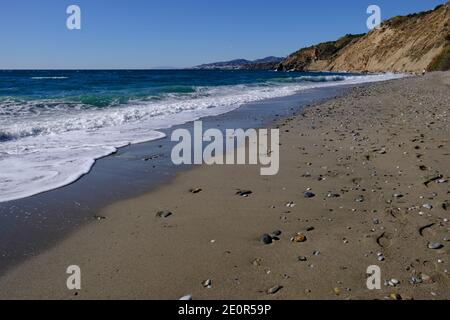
{"type": "Point", "coordinates": [402, 44]}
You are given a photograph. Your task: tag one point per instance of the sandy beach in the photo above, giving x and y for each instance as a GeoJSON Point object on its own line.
{"type": "Point", "coordinates": [376, 165]}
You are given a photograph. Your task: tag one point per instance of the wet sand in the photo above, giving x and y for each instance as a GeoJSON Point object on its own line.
{"type": "Point", "coordinates": [366, 157]}
{"type": "Point", "coordinates": [32, 225]}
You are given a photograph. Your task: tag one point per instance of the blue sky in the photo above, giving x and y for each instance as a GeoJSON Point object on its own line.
{"type": "Point", "coordinates": [177, 33]}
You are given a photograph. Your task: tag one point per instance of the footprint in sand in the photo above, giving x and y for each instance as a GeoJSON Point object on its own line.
{"type": "Point", "coordinates": [384, 240]}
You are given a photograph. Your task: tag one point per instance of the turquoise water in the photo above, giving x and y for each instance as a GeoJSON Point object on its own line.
{"type": "Point", "coordinates": [55, 124]}
{"type": "Point", "coordinates": [110, 88]}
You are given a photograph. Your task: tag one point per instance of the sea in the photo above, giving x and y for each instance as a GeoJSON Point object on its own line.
{"type": "Point", "coordinates": [55, 124]}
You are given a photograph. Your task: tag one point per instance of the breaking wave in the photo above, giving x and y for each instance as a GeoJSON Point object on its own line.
{"type": "Point", "coordinates": [49, 143]}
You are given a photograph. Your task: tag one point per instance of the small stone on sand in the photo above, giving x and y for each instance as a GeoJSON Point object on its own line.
{"type": "Point", "coordinates": [274, 290]}
{"type": "Point", "coordinates": [299, 238]}
{"type": "Point", "coordinates": [309, 195]}
{"type": "Point", "coordinates": [163, 214]}
{"type": "Point", "coordinates": [266, 239]}
{"type": "Point", "coordinates": [435, 246]}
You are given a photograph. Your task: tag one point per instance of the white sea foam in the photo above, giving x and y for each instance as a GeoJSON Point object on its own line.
{"type": "Point", "coordinates": [45, 150]}
{"type": "Point", "coordinates": [49, 78]}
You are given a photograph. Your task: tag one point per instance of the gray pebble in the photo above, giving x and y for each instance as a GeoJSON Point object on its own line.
{"type": "Point", "coordinates": [244, 193]}
{"type": "Point", "coordinates": [435, 246]}
{"type": "Point", "coordinates": [163, 214]}
{"type": "Point", "coordinates": [207, 284]}
{"type": "Point", "coordinates": [416, 280]}
{"type": "Point", "coordinates": [276, 233]}
{"type": "Point", "coordinates": [266, 239]}
{"type": "Point", "coordinates": [393, 282]}
{"type": "Point", "coordinates": [333, 195]}
{"type": "Point", "coordinates": [309, 195]}
{"type": "Point", "coordinates": [274, 290]}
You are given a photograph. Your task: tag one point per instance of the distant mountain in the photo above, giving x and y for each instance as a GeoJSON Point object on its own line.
{"type": "Point", "coordinates": [242, 64]}
{"type": "Point", "coordinates": [268, 60]}
{"type": "Point", "coordinates": [412, 43]}
{"type": "Point", "coordinates": [409, 43]}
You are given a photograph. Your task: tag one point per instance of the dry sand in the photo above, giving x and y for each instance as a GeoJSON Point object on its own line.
{"type": "Point", "coordinates": [378, 141]}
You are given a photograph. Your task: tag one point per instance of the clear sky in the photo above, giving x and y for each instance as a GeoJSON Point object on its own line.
{"type": "Point", "coordinates": [176, 33]}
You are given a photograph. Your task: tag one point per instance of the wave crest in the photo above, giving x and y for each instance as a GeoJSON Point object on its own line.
{"type": "Point", "coordinates": [48, 144]}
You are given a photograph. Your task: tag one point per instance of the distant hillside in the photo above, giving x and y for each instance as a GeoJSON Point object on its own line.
{"type": "Point", "coordinates": [317, 57]}
{"type": "Point", "coordinates": [243, 64]}
{"type": "Point", "coordinates": [401, 44]}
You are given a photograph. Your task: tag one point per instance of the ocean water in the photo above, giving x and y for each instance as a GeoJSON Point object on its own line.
{"type": "Point", "coordinates": [55, 124]}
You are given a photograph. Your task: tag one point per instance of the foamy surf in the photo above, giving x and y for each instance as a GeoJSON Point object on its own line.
{"type": "Point", "coordinates": [49, 78]}
{"type": "Point", "coordinates": [49, 144]}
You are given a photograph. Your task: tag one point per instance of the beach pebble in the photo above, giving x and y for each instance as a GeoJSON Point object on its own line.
{"type": "Point", "coordinates": [266, 239]}
{"type": "Point", "coordinates": [207, 284]}
{"type": "Point", "coordinates": [302, 259]}
{"type": "Point", "coordinates": [290, 204]}
{"type": "Point", "coordinates": [393, 282]}
{"type": "Point", "coordinates": [398, 195]}
{"type": "Point", "coordinates": [360, 199]}
{"type": "Point", "coordinates": [186, 298]}
{"type": "Point", "coordinates": [152, 157]}
{"type": "Point", "coordinates": [195, 190]}
{"type": "Point", "coordinates": [435, 246]}
{"type": "Point", "coordinates": [257, 262]}
{"type": "Point", "coordinates": [244, 193]}
{"type": "Point", "coordinates": [309, 195]}
{"type": "Point", "coordinates": [333, 195]}
{"type": "Point", "coordinates": [428, 206]}
{"type": "Point", "coordinates": [299, 238]}
{"type": "Point", "coordinates": [163, 214]}
{"type": "Point", "coordinates": [416, 280]}
{"type": "Point", "coordinates": [276, 233]}
{"type": "Point", "coordinates": [274, 290]}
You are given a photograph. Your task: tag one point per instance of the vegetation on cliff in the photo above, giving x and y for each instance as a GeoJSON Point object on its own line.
{"type": "Point", "coordinates": [409, 43]}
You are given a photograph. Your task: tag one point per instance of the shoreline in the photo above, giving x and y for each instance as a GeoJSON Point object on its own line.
{"type": "Point", "coordinates": [105, 143]}
{"type": "Point", "coordinates": [331, 148]}
{"type": "Point", "coordinates": [32, 225]}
